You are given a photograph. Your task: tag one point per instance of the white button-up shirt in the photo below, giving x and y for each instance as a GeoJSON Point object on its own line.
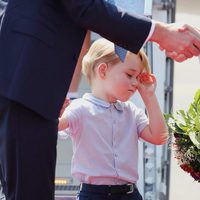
{"type": "Point", "coordinates": [105, 140]}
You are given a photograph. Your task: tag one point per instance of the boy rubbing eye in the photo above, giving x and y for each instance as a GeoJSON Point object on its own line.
{"type": "Point", "coordinates": [105, 126]}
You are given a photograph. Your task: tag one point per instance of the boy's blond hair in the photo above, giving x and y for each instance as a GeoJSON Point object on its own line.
{"type": "Point", "coordinates": [102, 51]}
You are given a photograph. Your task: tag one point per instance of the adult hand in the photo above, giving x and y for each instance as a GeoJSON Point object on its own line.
{"type": "Point", "coordinates": [180, 43]}
{"type": "Point", "coordinates": [177, 57]}
{"type": "Point", "coordinates": [182, 57]}
{"type": "Point", "coordinates": [192, 29]}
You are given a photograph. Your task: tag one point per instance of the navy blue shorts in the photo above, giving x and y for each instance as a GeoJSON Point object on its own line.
{"type": "Point", "coordinates": [95, 192]}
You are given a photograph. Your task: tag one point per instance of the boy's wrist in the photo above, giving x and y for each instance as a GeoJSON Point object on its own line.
{"type": "Point", "coordinates": [149, 99]}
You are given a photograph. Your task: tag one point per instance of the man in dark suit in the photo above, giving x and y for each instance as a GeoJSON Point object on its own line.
{"type": "Point", "coordinates": [40, 41]}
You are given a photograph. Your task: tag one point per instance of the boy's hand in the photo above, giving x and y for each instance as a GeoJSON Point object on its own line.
{"type": "Point", "coordinates": [146, 78]}
{"type": "Point", "coordinates": [65, 104]}
{"type": "Point", "coordinates": [147, 84]}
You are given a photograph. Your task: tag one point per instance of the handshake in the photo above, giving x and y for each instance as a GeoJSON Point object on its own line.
{"type": "Point", "coordinates": [179, 43]}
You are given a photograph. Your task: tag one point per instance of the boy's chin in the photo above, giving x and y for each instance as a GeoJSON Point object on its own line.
{"type": "Point", "coordinates": [124, 99]}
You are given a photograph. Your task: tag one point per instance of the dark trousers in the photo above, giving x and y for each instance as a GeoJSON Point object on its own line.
{"type": "Point", "coordinates": [27, 153]}
{"type": "Point", "coordinates": [105, 195]}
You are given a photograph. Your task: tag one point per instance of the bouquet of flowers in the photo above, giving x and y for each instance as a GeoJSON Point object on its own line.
{"type": "Point", "coordinates": [185, 127]}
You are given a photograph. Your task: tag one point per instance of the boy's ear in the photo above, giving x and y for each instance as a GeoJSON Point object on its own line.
{"type": "Point", "coordinates": [102, 68]}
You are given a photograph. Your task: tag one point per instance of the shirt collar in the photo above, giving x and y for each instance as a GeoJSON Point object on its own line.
{"type": "Point", "coordinates": [89, 97]}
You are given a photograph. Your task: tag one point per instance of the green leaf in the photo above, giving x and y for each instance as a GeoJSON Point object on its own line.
{"type": "Point", "coordinates": [197, 122]}
{"type": "Point", "coordinates": [183, 115]}
{"type": "Point", "coordinates": [192, 111]}
{"type": "Point", "coordinates": [178, 130]}
{"type": "Point", "coordinates": [198, 108]}
{"type": "Point", "coordinates": [167, 116]}
{"type": "Point", "coordinates": [195, 138]}
{"type": "Point", "coordinates": [187, 120]}
{"type": "Point", "coordinates": [170, 121]}
{"type": "Point", "coordinates": [181, 122]}
{"type": "Point", "coordinates": [175, 125]}
{"type": "Point", "coordinates": [197, 96]}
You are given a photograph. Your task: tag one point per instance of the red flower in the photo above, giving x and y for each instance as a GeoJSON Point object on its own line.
{"type": "Point", "coordinates": [186, 168]}
{"type": "Point", "coordinates": [196, 176]}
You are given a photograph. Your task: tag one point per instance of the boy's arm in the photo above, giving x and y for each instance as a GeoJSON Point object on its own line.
{"type": "Point", "coordinates": [63, 124]}
{"type": "Point", "coordinates": [156, 132]}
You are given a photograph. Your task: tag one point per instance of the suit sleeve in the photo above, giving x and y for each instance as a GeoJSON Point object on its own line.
{"type": "Point", "coordinates": [126, 30]}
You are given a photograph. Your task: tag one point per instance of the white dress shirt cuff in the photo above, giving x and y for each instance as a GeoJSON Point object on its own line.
{"type": "Point", "coordinates": [151, 31]}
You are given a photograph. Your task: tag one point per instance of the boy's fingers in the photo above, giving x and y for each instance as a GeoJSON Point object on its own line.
{"type": "Point", "coordinates": [146, 78]}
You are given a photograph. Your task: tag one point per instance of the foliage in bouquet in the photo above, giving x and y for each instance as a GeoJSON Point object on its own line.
{"type": "Point", "coordinates": [185, 127]}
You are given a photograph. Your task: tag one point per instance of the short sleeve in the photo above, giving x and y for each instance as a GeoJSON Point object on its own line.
{"type": "Point", "coordinates": [141, 120]}
{"type": "Point", "coordinates": [73, 114]}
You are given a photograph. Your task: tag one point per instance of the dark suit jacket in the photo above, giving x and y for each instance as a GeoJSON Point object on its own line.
{"type": "Point", "coordinates": [40, 41]}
